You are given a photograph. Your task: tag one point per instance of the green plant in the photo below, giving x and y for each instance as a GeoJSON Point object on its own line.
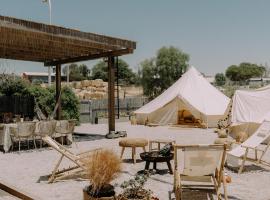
{"type": "Point", "coordinates": [13, 85]}
{"type": "Point", "coordinates": [133, 188]}
{"type": "Point", "coordinates": [70, 104]}
{"type": "Point", "coordinates": [45, 97]}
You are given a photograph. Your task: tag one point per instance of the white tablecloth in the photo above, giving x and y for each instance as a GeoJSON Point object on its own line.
{"type": "Point", "coordinates": [6, 141]}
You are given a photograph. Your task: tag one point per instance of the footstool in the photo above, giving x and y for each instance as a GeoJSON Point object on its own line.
{"type": "Point", "coordinates": [132, 143]}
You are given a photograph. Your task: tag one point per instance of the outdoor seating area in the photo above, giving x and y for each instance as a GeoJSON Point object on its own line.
{"type": "Point", "coordinates": [68, 161]}
{"type": "Point", "coordinates": [14, 135]}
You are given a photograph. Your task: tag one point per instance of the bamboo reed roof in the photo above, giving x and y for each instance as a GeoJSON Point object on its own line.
{"type": "Point", "coordinates": [52, 45]}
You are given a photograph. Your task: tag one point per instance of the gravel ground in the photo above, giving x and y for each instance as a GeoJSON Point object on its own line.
{"type": "Point", "coordinates": [26, 170]}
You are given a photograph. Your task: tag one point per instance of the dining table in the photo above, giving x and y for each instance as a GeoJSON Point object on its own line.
{"type": "Point", "coordinates": [6, 138]}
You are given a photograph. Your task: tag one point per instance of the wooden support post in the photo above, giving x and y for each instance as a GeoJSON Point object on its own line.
{"type": "Point", "coordinates": [58, 90]}
{"type": "Point", "coordinates": [111, 74]}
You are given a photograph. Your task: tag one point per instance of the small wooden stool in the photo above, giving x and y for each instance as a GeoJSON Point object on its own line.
{"type": "Point", "coordinates": [132, 143]}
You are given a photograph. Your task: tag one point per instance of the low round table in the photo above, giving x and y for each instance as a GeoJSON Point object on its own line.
{"type": "Point", "coordinates": [155, 157]}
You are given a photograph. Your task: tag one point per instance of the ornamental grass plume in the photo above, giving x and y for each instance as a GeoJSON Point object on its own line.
{"type": "Point", "coordinates": [103, 166]}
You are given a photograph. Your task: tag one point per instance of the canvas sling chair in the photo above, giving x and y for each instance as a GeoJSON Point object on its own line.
{"type": "Point", "coordinates": [253, 143]}
{"type": "Point", "coordinates": [202, 169]}
{"type": "Point", "coordinates": [41, 115]}
{"type": "Point", "coordinates": [77, 159]}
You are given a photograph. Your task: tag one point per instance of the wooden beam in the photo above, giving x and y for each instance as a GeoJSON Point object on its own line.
{"type": "Point", "coordinates": [16, 192]}
{"type": "Point", "coordinates": [111, 74]}
{"type": "Point", "coordinates": [90, 57]}
{"type": "Point", "coordinates": [58, 91]}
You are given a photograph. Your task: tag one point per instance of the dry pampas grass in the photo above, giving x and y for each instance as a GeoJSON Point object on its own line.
{"type": "Point", "coordinates": [102, 167]}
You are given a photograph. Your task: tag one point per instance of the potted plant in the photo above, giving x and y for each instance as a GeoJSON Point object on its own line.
{"type": "Point", "coordinates": [102, 167]}
{"type": "Point", "coordinates": [133, 189]}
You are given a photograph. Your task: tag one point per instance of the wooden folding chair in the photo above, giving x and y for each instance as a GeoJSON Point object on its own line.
{"type": "Point", "coordinates": [203, 168]}
{"type": "Point", "coordinates": [254, 142]}
{"type": "Point", "coordinates": [77, 159]}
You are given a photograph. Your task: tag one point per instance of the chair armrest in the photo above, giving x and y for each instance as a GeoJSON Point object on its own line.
{"type": "Point", "coordinates": [89, 151]}
{"type": "Point", "coordinates": [254, 148]}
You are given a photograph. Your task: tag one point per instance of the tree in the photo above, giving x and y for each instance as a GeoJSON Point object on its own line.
{"type": "Point", "coordinates": [244, 72]}
{"type": "Point", "coordinates": [100, 71]}
{"type": "Point", "coordinates": [162, 71]}
{"type": "Point", "coordinates": [77, 72]}
{"type": "Point", "coordinates": [150, 80]}
{"type": "Point", "coordinates": [126, 75]}
{"type": "Point", "coordinates": [220, 79]}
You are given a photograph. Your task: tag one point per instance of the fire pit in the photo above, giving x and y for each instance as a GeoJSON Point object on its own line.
{"type": "Point", "coordinates": [155, 157]}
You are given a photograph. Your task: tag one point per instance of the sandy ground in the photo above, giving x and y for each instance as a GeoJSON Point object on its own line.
{"type": "Point", "coordinates": [26, 170]}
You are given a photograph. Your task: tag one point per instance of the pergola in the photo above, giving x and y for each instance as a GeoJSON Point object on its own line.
{"type": "Point", "coordinates": [55, 46]}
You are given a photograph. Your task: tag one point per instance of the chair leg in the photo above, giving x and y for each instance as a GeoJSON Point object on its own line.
{"type": "Point", "coordinates": [178, 190]}
{"type": "Point", "coordinates": [256, 155]}
{"type": "Point", "coordinates": [122, 152]}
{"type": "Point", "coordinates": [19, 144]}
{"type": "Point", "coordinates": [34, 140]}
{"type": "Point", "coordinates": [134, 154]}
{"type": "Point", "coordinates": [144, 150]}
{"type": "Point", "coordinates": [225, 188]}
{"type": "Point", "coordinates": [150, 146]}
{"type": "Point", "coordinates": [76, 144]}
{"type": "Point", "coordinates": [51, 179]}
{"type": "Point", "coordinates": [28, 143]}
{"type": "Point", "coordinates": [62, 139]}
{"type": "Point", "coordinates": [243, 162]}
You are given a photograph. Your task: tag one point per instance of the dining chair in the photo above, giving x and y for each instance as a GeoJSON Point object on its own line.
{"type": "Point", "coordinates": [24, 130]}
{"type": "Point", "coordinates": [65, 128]}
{"type": "Point", "coordinates": [45, 128]}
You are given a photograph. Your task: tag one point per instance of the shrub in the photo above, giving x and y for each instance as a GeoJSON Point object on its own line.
{"type": "Point", "coordinates": [44, 97]}
{"type": "Point", "coordinates": [102, 167]}
{"type": "Point", "coordinates": [13, 85]}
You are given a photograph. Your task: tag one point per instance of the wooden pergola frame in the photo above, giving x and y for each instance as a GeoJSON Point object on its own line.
{"type": "Point", "coordinates": [55, 46]}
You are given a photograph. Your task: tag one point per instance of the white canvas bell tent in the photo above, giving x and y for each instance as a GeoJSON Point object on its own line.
{"type": "Point", "coordinates": [191, 92]}
{"type": "Point", "coordinates": [249, 109]}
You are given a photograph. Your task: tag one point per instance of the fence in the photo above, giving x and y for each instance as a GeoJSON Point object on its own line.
{"type": "Point", "coordinates": [89, 110]}
{"type": "Point", "coordinates": [20, 105]}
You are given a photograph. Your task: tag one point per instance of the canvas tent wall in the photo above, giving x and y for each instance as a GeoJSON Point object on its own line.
{"type": "Point", "coordinates": [249, 109]}
{"type": "Point", "coordinates": [191, 92]}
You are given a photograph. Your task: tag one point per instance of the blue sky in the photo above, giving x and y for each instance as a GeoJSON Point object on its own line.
{"type": "Point", "coordinates": [215, 33]}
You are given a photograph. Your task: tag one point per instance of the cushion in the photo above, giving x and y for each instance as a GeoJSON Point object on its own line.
{"type": "Point", "coordinates": [133, 142]}
{"type": "Point", "coordinates": [222, 133]}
